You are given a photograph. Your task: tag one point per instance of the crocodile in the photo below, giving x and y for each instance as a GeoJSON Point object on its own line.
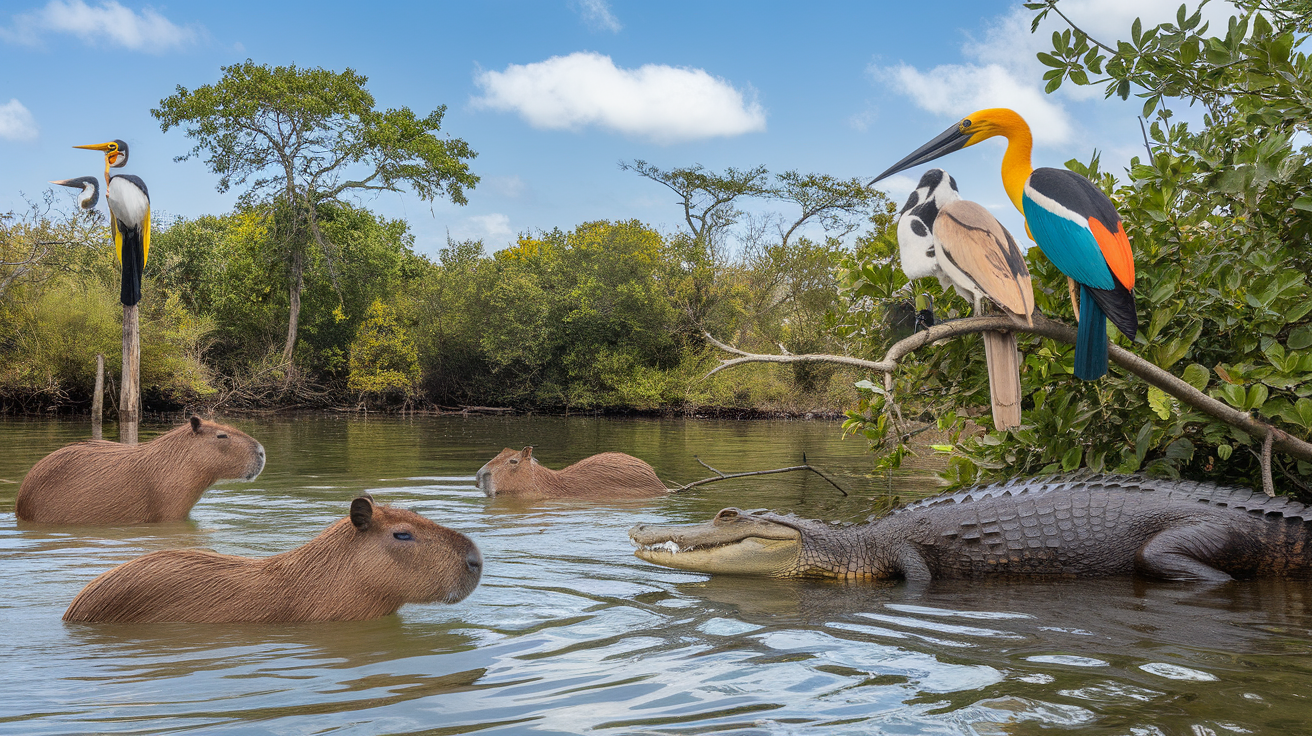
{"type": "Point", "coordinates": [1082, 525]}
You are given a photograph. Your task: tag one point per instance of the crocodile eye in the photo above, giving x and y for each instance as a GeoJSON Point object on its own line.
{"type": "Point", "coordinates": [403, 536]}
{"type": "Point", "coordinates": [727, 515]}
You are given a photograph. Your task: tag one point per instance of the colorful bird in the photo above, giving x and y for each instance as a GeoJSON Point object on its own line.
{"type": "Point", "coordinates": [129, 218]}
{"type": "Point", "coordinates": [1073, 222]}
{"type": "Point", "coordinates": [957, 241]}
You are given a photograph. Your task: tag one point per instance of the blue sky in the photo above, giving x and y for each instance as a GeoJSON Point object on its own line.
{"type": "Point", "coordinates": [553, 95]}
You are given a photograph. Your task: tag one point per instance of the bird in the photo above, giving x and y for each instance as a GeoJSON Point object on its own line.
{"type": "Point", "coordinates": [961, 244]}
{"type": "Point", "coordinates": [90, 193]}
{"type": "Point", "coordinates": [1075, 225]}
{"type": "Point", "coordinates": [129, 217]}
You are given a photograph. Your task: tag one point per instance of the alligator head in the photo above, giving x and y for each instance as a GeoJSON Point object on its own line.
{"type": "Point", "coordinates": [734, 542]}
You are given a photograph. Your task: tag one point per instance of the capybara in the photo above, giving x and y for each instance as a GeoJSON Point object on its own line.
{"type": "Point", "coordinates": [100, 482]}
{"type": "Point", "coordinates": [518, 474]}
{"type": "Point", "coordinates": [363, 566]}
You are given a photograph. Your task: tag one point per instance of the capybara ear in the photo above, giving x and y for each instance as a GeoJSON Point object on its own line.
{"type": "Point", "coordinates": [362, 512]}
{"type": "Point", "coordinates": [195, 423]}
{"type": "Point", "coordinates": [527, 452]}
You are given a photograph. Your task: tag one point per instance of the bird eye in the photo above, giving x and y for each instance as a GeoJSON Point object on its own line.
{"type": "Point", "coordinates": [965, 123]}
{"type": "Point", "coordinates": [403, 536]}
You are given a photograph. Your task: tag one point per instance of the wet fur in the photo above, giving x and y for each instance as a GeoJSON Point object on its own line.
{"type": "Point", "coordinates": [346, 573]}
{"type": "Point", "coordinates": [518, 474]}
{"type": "Point", "coordinates": [100, 483]}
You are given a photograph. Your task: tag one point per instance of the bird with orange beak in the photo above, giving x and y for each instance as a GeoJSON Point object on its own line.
{"type": "Point", "coordinates": [129, 216]}
{"type": "Point", "coordinates": [1071, 220]}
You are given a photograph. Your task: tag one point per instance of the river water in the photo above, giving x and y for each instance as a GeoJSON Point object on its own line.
{"type": "Point", "coordinates": [568, 633]}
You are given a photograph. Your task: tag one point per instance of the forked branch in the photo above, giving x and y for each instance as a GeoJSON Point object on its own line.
{"type": "Point", "coordinates": [728, 476]}
{"type": "Point", "coordinates": [1053, 330]}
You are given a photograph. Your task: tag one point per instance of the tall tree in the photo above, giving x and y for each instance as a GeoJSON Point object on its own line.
{"type": "Point", "coordinates": [299, 138]}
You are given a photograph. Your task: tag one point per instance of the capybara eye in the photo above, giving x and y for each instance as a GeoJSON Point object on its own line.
{"type": "Point", "coordinates": [221, 436]}
{"type": "Point", "coordinates": [403, 536]}
{"type": "Point", "coordinates": [514, 461]}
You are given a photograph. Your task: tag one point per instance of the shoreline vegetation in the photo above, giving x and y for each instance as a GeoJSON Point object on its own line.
{"type": "Point", "coordinates": [300, 298]}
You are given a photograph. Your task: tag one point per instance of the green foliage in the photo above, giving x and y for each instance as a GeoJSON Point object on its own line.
{"type": "Point", "coordinates": [1220, 223]}
{"type": "Point", "coordinates": [383, 357]}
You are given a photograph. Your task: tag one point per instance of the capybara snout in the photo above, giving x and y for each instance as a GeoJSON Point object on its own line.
{"type": "Point", "coordinates": [364, 566]}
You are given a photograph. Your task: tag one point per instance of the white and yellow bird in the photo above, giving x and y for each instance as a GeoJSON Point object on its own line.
{"type": "Point", "coordinates": [129, 216]}
{"type": "Point", "coordinates": [958, 242]}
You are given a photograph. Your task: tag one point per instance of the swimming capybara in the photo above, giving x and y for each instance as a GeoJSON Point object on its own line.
{"type": "Point", "coordinates": [363, 566]}
{"type": "Point", "coordinates": [100, 482]}
{"type": "Point", "coordinates": [518, 474]}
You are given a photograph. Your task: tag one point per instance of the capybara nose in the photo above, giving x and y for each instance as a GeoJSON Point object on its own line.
{"type": "Point", "coordinates": [474, 562]}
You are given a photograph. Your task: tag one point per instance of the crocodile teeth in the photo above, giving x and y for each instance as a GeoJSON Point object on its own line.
{"type": "Point", "coordinates": [668, 546]}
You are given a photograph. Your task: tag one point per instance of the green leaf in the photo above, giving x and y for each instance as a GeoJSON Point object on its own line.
{"type": "Point", "coordinates": [1256, 397]}
{"type": "Point", "coordinates": [1181, 449]}
{"type": "Point", "coordinates": [1159, 402]}
{"type": "Point", "coordinates": [1223, 451]}
{"type": "Point", "coordinates": [1304, 409]}
{"type": "Point", "coordinates": [1300, 338]}
{"type": "Point", "coordinates": [1197, 376]}
{"type": "Point", "coordinates": [1071, 460]}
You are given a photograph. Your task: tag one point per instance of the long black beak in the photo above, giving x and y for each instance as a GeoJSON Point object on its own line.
{"type": "Point", "coordinates": [948, 141]}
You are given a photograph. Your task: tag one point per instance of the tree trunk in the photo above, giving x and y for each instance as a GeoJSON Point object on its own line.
{"type": "Point", "coordinates": [98, 399]}
{"type": "Point", "coordinates": [129, 403]}
{"type": "Point", "coordinates": [293, 318]}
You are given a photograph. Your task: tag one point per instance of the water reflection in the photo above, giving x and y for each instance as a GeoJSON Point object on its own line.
{"type": "Point", "coordinates": [569, 633]}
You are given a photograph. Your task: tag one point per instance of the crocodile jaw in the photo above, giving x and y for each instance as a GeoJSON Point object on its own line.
{"type": "Point", "coordinates": [738, 548]}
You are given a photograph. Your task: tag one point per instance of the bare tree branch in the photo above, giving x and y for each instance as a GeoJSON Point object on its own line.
{"type": "Point", "coordinates": [1052, 330]}
{"type": "Point", "coordinates": [728, 476]}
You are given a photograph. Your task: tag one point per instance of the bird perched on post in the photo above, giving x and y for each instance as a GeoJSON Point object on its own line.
{"type": "Point", "coordinates": [1073, 222]}
{"type": "Point", "coordinates": [129, 217]}
{"type": "Point", "coordinates": [957, 241]}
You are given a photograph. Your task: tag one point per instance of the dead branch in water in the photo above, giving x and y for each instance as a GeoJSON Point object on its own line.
{"type": "Point", "coordinates": [727, 476]}
{"type": "Point", "coordinates": [1053, 330]}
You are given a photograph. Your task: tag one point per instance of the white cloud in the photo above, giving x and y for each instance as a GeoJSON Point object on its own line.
{"type": "Point", "coordinates": [106, 24]}
{"type": "Point", "coordinates": [16, 122]}
{"type": "Point", "coordinates": [1002, 71]}
{"type": "Point", "coordinates": [954, 90]}
{"type": "Point", "coordinates": [660, 103]}
{"type": "Point", "coordinates": [511, 187]}
{"type": "Point", "coordinates": [494, 230]}
{"type": "Point", "coordinates": [597, 14]}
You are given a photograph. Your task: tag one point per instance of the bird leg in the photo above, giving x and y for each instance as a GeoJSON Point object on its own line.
{"type": "Point", "coordinates": [1075, 298]}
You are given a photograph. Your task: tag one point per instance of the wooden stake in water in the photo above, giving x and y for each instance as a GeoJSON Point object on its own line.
{"type": "Point", "coordinates": [98, 398]}
{"type": "Point", "coordinates": [129, 403]}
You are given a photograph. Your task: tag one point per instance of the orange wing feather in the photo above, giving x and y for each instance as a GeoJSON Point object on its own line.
{"type": "Point", "coordinates": [1115, 247]}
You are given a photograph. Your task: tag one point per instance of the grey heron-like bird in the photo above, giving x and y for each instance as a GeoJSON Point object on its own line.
{"type": "Point", "coordinates": [957, 241]}
{"type": "Point", "coordinates": [129, 216]}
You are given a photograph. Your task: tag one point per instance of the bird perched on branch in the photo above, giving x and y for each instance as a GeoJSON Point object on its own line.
{"type": "Point", "coordinates": [1074, 223]}
{"type": "Point", "coordinates": [957, 241]}
{"type": "Point", "coordinates": [129, 216]}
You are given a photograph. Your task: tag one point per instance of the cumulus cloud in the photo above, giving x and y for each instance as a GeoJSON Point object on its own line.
{"type": "Point", "coordinates": [1002, 71]}
{"type": "Point", "coordinates": [597, 14]}
{"type": "Point", "coordinates": [16, 122]}
{"type": "Point", "coordinates": [661, 103]}
{"type": "Point", "coordinates": [106, 24]}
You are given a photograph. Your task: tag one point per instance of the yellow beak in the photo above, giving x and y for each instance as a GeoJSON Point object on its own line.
{"type": "Point", "coordinates": [110, 156]}
{"type": "Point", "coordinates": [97, 146]}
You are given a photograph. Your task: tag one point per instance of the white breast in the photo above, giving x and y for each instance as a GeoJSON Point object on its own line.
{"type": "Point", "coordinates": [128, 203]}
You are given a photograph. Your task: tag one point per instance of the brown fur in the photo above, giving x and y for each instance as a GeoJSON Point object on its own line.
{"type": "Point", "coordinates": [607, 475]}
{"type": "Point", "coordinates": [100, 482]}
{"type": "Point", "coordinates": [356, 569]}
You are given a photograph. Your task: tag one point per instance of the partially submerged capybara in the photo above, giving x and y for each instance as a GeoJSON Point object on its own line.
{"type": "Point", "coordinates": [100, 482]}
{"type": "Point", "coordinates": [608, 475]}
{"type": "Point", "coordinates": [363, 566]}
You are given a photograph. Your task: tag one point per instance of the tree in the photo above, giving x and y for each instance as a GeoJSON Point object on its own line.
{"type": "Point", "coordinates": [383, 357]}
{"type": "Point", "coordinates": [304, 138]}
{"type": "Point", "coordinates": [1221, 223]}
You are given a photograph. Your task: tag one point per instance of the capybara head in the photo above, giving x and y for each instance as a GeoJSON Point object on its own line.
{"type": "Point", "coordinates": [511, 470]}
{"type": "Point", "coordinates": [407, 556]}
{"type": "Point", "coordinates": [223, 450]}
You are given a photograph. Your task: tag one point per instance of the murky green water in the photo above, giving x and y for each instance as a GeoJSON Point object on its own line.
{"type": "Point", "coordinates": [569, 633]}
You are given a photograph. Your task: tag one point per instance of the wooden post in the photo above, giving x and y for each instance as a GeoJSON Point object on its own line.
{"type": "Point", "coordinates": [98, 398]}
{"type": "Point", "coordinates": [129, 403]}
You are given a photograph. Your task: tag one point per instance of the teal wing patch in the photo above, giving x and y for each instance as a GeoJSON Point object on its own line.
{"type": "Point", "coordinates": [1071, 247]}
